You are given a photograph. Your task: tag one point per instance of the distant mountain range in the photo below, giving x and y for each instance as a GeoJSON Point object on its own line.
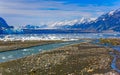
{"type": "Point", "coordinates": [67, 24]}
{"type": "Point", "coordinates": [109, 22]}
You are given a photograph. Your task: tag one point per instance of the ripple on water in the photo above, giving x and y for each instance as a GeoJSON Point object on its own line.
{"type": "Point", "coordinates": [10, 56]}
{"type": "Point", "coordinates": [24, 49]}
{"type": "Point", "coordinates": [3, 57]}
{"type": "Point", "coordinates": [40, 50]}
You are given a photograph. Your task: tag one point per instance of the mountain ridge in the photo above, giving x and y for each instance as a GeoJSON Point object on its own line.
{"type": "Point", "coordinates": [106, 22]}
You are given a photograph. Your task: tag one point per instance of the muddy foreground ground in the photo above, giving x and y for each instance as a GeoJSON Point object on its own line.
{"type": "Point", "coordinates": [80, 59]}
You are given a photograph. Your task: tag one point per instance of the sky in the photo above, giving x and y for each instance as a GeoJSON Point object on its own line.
{"type": "Point", "coordinates": [38, 12]}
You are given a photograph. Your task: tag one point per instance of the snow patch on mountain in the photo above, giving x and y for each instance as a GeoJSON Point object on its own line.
{"type": "Point", "coordinates": [72, 22]}
{"type": "Point", "coordinates": [111, 12]}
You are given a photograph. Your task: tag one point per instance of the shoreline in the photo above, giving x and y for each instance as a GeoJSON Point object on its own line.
{"type": "Point", "coordinates": [69, 56]}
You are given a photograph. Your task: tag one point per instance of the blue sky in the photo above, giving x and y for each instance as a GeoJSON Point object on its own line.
{"type": "Point", "coordinates": [38, 12]}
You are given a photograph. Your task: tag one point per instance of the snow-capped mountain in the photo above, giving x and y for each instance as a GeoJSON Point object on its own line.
{"type": "Point", "coordinates": [106, 22]}
{"type": "Point", "coordinates": [65, 24]}
{"type": "Point", "coordinates": [109, 22]}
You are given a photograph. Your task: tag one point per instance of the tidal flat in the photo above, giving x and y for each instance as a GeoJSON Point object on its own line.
{"type": "Point", "coordinates": [78, 59]}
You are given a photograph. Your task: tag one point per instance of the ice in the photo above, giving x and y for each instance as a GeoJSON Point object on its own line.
{"type": "Point", "coordinates": [64, 37]}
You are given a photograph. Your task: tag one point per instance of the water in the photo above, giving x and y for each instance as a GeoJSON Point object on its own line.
{"type": "Point", "coordinates": [11, 55]}
{"type": "Point", "coordinates": [116, 48]}
{"type": "Point", "coordinates": [113, 64]}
